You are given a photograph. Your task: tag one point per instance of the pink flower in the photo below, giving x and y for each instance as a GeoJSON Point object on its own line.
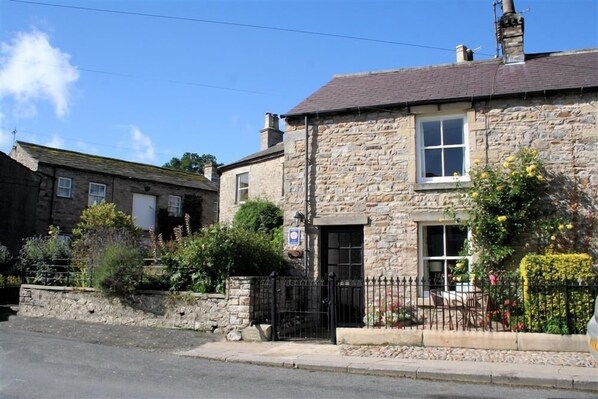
{"type": "Point", "coordinates": [493, 279]}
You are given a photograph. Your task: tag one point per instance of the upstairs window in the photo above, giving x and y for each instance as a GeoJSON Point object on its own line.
{"type": "Point", "coordinates": [175, 206]}
{"type": "Point", "coordinates": [97, 193]}
{"type": "Point", "coordinates": [442, 148]}
{"type": "Point", "coordinates": [242, 187]}
{"type": "Point", "coordinates": [65, 187]}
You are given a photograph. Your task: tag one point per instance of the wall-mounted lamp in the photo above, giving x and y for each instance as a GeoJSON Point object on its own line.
{"type": "Point", "coordinates": [299, 218]}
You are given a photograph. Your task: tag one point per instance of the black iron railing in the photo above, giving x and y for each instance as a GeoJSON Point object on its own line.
{"type": "Point", "coordinates": [501, 304]}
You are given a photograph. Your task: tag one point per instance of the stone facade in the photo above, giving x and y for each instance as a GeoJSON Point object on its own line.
{"type": "Point", "coordinates": [65, 212]}
{"type": "Point", "coordinates": [362, 166]}
{"type": "Point", "coordinates": [265, 182]}
{"type": "Point", "coordinates": [265, 171]}
{"type": "Point", "coordinates": [206, 312]}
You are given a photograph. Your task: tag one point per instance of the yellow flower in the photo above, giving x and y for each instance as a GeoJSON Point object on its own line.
{"type": "Point", "coordinates": [540, 177]}
{"type": "Point", "coordinates": [561, 227]}
{"type": "Point", "coordinates": [457, 278]}
{"type": "Point", "coordinates": [511, 158]}
{"type": "Point", "coordinates": [506, 165]}
{"type": "Point", "coordinates": [499, 188]}
{"type": "Point", "coordinates": [475, 194]}
{"type": "Point", "coordinates": [569, 226]}
{"type": "Point", "coordinates": [484, 175]}
{"type": "Point", "coordinates": [513, 174]}
{"type": "Point", "coordinates": [553, 238]}
{"type": "Point", "coordinates": [459, 265]}
{"type": "Point", "coordinates": [456, 174]}
{"type": "Point", "coordinates": [502, 218]}
{"type": "Point", "coordinates": [476, 162]}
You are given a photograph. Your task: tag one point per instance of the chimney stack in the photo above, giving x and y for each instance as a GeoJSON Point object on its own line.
{"type": "Point", "coordinates": [210, 172]}
{"type": "Point", "coordinates": [464, 54]}
{"type": "Point", "coordinates": [270, 134]}
{"type": "Point", "coordinates": [510, 28]}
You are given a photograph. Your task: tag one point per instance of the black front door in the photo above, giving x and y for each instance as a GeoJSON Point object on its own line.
{"type": "Point", "coordinates": [342, 253]}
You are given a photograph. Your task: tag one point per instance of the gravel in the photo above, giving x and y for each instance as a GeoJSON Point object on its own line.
{"type": "Point", "coordinates": [574, 359]}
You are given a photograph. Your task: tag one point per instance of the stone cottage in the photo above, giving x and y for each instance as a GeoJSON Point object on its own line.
{"type": "Point", "coordinates": [370, 158]}
{"type": "Point", "coordinates": [72, 181]}
{"type": "Point", "coordinates": [256, 176]}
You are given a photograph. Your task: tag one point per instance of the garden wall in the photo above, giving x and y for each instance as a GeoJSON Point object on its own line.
{"type": "Point", "coordinates": [218, 313]}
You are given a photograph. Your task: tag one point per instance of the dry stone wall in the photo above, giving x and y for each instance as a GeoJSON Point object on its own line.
{"type": "Point", "coordinates": [217, 313]}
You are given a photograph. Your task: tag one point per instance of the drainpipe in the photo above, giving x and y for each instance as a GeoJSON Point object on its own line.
{"type": "Point", "coordinates": [305, 205]}
{"type": "Point", "coordinates": [52, 193]}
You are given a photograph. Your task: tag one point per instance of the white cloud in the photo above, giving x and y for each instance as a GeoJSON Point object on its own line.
{"type": "Point", "coordinates": [142, 145]}
{"type": "Point", "coordinates": [5, 137]}
{"type": "Point", "coordinates": [56, 142]}
{"type": "Point", "coordinates": [31, 70]}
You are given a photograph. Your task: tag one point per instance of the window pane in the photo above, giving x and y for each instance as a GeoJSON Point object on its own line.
{"type": "Point", "coordinates": [455, 239]}
{"type": "Point", "coordinates": [356, 274]}
{"type": "Point", "coordinates": [344, 256]}
{"type": "Point", "coordinates": [453, 161]}
{"type": "Point", "coordinates": [345, 239]}
{"type": "Point", "coordinates": [452, 130]}
{"type": "Point", "coordinates": [431, 133]}
{"type": "Point", "coordinates": [356, 256]}
{"type": "Point", "coordinates": [244, 180]}
{"type": "Point", "coordinates": [434, 240]}
{"type": "Point", "coordinates": [332, 256]}
{"type": "Point", "coordinates": [433, 163]}
{"type": "Point", "coordinates": [332, 240]}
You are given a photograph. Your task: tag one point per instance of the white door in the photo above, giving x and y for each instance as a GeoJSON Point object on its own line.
{"type": "Point", "coordinates": [144, 211]}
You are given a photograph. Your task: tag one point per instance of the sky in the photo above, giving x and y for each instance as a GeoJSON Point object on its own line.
{"type": "Point", "coordinates": [148, 80]}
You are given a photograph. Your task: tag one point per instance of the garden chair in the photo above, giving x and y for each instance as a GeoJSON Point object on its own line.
{"type": "Point", "coordinates": [477, 309]}
{"type": "Point", "coordinates": [439, 305]}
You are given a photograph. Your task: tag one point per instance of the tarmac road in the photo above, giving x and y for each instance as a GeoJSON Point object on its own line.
{"type": "Point", "coordinates": [46, 358]}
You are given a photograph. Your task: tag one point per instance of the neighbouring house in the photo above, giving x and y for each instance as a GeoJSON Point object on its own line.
{"type": "Point", "coordinates": [19, 188]}
{"type": "Point", "coordinates": [72, 181]}
{"type": "Point", "coordinates": [370, 158]}
{"type": "Point", "coordinates": [257, 176]}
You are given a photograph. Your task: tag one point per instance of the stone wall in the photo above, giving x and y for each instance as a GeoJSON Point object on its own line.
{"type": "Point", "coordinates": [365, 164]}
{"type": "Point", "coordinates": [216, 313]}
{"type": "Point", "coordinates": [265, 182]}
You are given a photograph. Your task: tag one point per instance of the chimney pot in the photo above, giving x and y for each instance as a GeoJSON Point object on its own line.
{"type": "Point", "coordinates": [463, 53]}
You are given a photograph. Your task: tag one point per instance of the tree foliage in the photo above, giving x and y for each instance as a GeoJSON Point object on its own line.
{"type": "Point", "coordinates": [259, 216]}
{"type": "Point", "coordinates": [191, 162]}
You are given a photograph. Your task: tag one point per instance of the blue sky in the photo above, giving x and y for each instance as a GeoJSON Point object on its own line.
{"type": "Point", "coordinates": [147, 89]}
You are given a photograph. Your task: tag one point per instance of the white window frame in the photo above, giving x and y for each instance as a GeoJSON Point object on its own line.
{"type": "Point", "coordinates": [93, 199]}
{"type": "Point", "coordinates": [242, 193]}
{"type": "Point", "coordinates": [175, 206]}
{"type": "Point", "coordinates": [62, 187]}
{"type": "Point", "coordinates": [445, 259]}
{"type": "Point", "coordinates": [421, 176]}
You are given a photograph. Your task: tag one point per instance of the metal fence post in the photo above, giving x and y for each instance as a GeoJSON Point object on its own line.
{"type": "Point", "coordinates": [332, 283]}
{"type": "Point", "coordinates": [274, 335]}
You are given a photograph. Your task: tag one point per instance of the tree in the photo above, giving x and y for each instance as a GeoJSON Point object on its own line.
{"type": "Point", "coordinates": [191, 162]}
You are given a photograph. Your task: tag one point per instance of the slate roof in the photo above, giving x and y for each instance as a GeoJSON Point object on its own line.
{"type": "Point", "coordinates": [454, 82]}
{"type": "Point", "coordinates": [269, 153]}
{"type": "Point", "coordinates": [111, 166]}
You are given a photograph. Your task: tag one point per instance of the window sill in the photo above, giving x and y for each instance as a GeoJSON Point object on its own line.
{"type": "Point", "coordinates": [441, 186]}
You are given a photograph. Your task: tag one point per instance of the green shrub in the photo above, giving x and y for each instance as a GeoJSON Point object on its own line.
{"type": "Point", "coordinates": [88, 250]}
{"type": "Point", "coordinates": [38, 255]}
{"type": "Point", "coordinates": [259, 216]}
{"type": "Point", "coordinates": [101, 216]}
{"type": "Point", "coordinates": [204, 261]}
{"type": "Point", "coordinates": [119, 270]}
{"type": "Point", "coordinates": [546, 298]}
